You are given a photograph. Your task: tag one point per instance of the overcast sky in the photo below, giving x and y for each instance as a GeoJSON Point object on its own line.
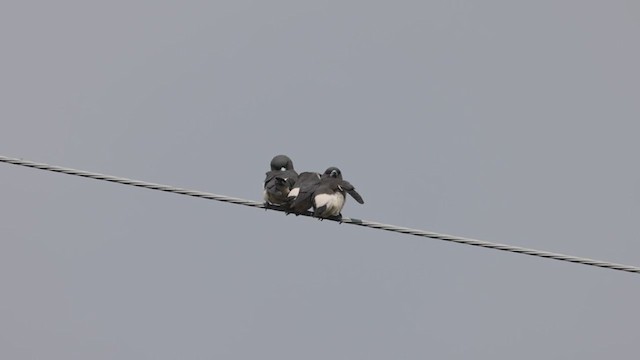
{"type": "Point", "coordinates": [508, 121]}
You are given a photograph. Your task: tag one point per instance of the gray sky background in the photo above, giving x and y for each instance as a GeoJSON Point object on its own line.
{"type": "Point", "coordinates": [508, 121]}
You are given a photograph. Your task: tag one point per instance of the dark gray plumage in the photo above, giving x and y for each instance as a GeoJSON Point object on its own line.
{"type": "Point", "coordinates": [301, 195]}
{"type": "Point", "coordinates": [279, 180]}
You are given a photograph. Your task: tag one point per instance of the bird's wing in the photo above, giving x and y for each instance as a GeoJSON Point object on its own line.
{"type": "Point", "coordinates": [346, 186]}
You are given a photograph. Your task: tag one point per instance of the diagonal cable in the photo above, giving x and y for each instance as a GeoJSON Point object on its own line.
{"type": "Point", "coordinates": [345, 220]}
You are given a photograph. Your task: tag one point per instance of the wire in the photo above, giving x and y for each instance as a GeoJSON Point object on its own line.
{"type": "Point", "coordinates": [344, 220]}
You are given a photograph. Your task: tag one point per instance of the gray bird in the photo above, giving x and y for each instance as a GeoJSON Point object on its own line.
{"type": "Point", "coordinates": [279, 180]}
{"type": "Point", "coordinates": [301, 195]}
{"type": "Point", "coordinates": [329, 195]}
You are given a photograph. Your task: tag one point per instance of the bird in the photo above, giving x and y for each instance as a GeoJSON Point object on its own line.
{"type": "Point", "coordinates": [279, 181]}
{"type": "Point", "coordinates": [329, 194]}
{"type": "Point", "coordinates": [301, 195]}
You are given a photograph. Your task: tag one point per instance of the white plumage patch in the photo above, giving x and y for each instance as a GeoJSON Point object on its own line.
{"type": "Point", "coordinates": [333, 202]}
{"type": "Point", "coordinates": [294, 192]}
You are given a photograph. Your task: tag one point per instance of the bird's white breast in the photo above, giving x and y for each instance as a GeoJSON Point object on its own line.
{"type": "Point", "coordinates": [333, 202]}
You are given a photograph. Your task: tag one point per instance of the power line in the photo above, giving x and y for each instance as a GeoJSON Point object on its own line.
{"type": "Point", "coordinates": [345, 220]}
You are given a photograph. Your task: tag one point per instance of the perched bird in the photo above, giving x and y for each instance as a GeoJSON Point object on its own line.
{"type": "Point", "coordinates": [301, 195]}
{"type": "Point", "coordinates": [279, 180]}
{"type": "Point", "coordinates": [329, 194]}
